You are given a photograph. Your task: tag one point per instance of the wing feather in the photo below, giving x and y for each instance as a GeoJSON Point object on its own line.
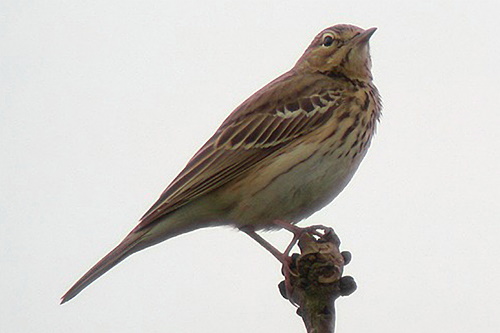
{"type": "Point", "coordinates": [262, 125]}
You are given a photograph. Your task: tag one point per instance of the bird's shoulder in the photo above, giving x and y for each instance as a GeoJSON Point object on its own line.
{"type": "Point", "coordinates": [305, 98]}
{"type": "Point", "coordinates": [288, 90]}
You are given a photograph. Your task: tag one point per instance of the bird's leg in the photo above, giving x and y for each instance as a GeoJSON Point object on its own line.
{"type": "Point", "coordinates": [284, 258]}
{"type": "Point", "coordinates": [265, 244]}
{"type": "Point", "coordinates": [298, 232]}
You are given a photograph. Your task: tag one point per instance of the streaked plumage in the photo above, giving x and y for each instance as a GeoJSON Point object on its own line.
{"type": "Point", "coordinates": [284, 153]}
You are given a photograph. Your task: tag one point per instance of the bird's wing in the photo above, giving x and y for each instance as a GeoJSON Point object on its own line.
{"type": "Point", "coordinates": [284, 110]}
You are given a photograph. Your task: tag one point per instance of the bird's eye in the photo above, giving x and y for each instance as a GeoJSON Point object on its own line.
{"type": "Point", "coordinates": [328, 40]}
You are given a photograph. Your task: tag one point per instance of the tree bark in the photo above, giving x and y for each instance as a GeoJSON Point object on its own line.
{"type": "Point", "coordinates": [316, 281]}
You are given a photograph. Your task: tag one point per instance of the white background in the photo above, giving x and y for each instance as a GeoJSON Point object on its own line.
{"type": "Point", "coordinates": [103, 102]}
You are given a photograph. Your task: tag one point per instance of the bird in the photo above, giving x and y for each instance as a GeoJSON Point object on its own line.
{"type": "Point", "coordinates": [283, 154]}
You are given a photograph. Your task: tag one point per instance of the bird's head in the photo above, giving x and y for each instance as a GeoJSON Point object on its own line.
{"type": "Point", "coordinates": [342, 49]}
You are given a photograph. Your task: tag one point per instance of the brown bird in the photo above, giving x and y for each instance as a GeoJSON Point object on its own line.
{"type": "Point", "coordinates": [283, 154]}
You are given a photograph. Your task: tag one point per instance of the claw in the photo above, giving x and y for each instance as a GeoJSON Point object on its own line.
{"type": "Point", "coordinates": [298, 232]}
{"type": "Point", "coordinates": [287, 261]}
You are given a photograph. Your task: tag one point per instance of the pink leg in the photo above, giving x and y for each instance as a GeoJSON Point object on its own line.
{"type": "Point", "coordinates": [298, 232]}
{"type": "Point", "coordinates": [284, 258]}
{"type": "Point", "coordinates": [265, 244]}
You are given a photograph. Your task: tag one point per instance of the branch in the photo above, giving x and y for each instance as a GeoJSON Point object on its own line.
{"type": "Point", "coordinates": [316, 280]}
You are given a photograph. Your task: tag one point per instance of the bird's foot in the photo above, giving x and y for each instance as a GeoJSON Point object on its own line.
{"type": "Point", "coordinates": [298, 232]}
{"type": "Point", "coordinates": [289, 268]}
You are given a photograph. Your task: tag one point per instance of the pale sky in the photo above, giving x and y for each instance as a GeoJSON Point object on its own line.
{"type": "Point", "coordinates": [103, 102]}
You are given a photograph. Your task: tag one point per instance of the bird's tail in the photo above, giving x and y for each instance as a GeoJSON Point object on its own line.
{"type": "Point", "coordinates": [141, 237]}
{"type": "Point", "coordinates": [129, 245]}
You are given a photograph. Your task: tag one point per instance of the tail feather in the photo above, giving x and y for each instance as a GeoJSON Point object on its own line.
{"type": "Point", "coordinates": [138, 239]}
{"type": "Point", "coordinates": [129, 245]}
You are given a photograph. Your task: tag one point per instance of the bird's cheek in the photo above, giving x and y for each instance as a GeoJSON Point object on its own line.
{"type": "Point", "coordinates": [332, 61]}
{"type": "Point", "coordinates": [358, 56]}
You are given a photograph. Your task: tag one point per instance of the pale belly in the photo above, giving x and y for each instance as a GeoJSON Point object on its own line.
{"type": "Point", "coordinates": [291, 188]}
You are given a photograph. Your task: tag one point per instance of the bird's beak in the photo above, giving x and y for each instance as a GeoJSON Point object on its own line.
{"type": "Point", "coordinates": [363, 37]}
